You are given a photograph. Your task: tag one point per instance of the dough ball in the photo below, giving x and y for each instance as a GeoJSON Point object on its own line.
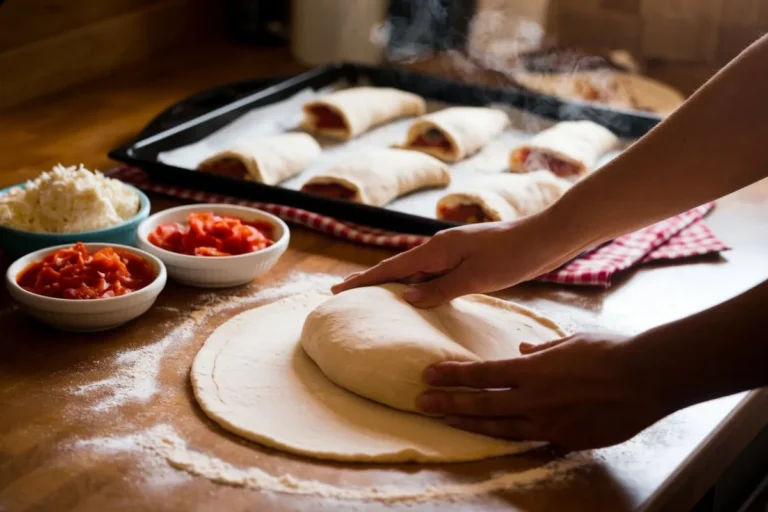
{"type": "Point", "coordinates": [373, 343]}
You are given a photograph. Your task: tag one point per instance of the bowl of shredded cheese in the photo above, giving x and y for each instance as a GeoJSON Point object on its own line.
{"type": "Point", "coordinates": [68, 205]}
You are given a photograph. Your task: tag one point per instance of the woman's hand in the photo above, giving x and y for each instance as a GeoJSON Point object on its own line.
{"type": "Point", "coordinates": [584, 391]}
{"type": "Point", "coordinates": [476, 258]}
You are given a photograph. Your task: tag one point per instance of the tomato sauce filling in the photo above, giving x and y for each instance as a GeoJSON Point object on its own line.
{"type": "Point", "coordinates": [326, 117]}
{"type": "Point", "coordinates": [334, 190]}
{"type": "Point", "coordinates": [230, 167]}
{"type": "Point", "coordinates": [432, 138]}
{"type": "Point", "coordinates": [74, 273]}
{"type": "Point", "coordinates": [208, 234]}
{"type": "Point", "coordinates": [534, 160]}
{"type": "Point", "coordinates": [463, 214]}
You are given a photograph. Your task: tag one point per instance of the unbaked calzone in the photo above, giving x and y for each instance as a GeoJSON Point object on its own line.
{"type": "Point", "coordinates": [377, 176]}
{"type": "Point", "coordinates": [269, 160]}
{"type": "Point", "coordinates": [502, 197]}
{"type": "Point", "coordinates": [455, 133]}
{"type": "Point", "coordinates": [347, 113]}
{"type": "Point", "coordinates": [569, 149]}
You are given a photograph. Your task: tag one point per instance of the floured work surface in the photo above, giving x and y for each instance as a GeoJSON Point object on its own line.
{"type": "Point", "coordinates": [110, 423]}
{"type": "Point", "coordinates": [286, 115]}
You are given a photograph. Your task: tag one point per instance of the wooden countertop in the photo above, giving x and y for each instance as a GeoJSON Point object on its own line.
{"type": "Point", "coordinates": [75, 407]}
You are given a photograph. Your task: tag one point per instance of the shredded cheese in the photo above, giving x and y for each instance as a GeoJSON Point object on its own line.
{"type": "Point", "coordinates": [68, 200]}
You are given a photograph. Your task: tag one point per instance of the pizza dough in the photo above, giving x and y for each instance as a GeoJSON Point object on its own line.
{"type": "Point", "coordinates": [505, 196]}
{"type": "Point", "coordinates": [372, 342]}
{"type": "Point", "coordinates": [376, 176]}
{"type": "Point", "coordinates": [269, 160]}
{"type": "Point", "coordinates": [576, 145]}
{"type": "Point", "coordinates": [254, 379]}
{"type": "Point", "coordinates": [455, 133]}
{"type": "Point", "coordinates": [350, 112]}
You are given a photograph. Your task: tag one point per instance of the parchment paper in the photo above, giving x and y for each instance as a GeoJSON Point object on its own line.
{"type": "Point", "coordinates": [286, 116]}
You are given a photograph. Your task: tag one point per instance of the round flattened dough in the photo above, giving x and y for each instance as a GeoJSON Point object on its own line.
{"type": "Point", "coordinates": [372, 342]}
{"type": "Point", "coordinates": [253, 378]}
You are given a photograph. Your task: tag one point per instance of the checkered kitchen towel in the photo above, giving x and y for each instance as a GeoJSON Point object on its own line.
{"type": "Point", "coordinates": [682, 236]}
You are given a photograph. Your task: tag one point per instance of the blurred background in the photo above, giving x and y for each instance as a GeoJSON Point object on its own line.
{"type": "Point", "coordinates": [50, 45]}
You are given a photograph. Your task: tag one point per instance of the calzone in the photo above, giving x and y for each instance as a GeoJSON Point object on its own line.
{"type": "Point", "coordinates": [502, 197]}
{"type": "Point", "coordinates": [376, 176]}
{"type": "Point", "coordinates": [455, 133]}
{"type": "Point", "coordinates": [269, 160]}
{"type": "Point", "coordinates": [347, 113]}
{"type": "Point", "coordinates": [569, 149]}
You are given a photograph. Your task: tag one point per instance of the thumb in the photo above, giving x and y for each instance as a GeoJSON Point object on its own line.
{"type": "Point", "coordinates": [440, 290]}
{"type": "Point", "coordinates": [534, 348]}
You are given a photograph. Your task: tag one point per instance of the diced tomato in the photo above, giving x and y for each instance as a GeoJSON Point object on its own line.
{"type": "Point", "coordinates": [207, 234]}
{"type": "Point", "coordinates": [210, 251]}
{"type": "Point", "coordinates": [73, 273]}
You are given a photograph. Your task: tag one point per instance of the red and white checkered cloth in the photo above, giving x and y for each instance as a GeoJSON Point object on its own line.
{"type": "Point", "coordinates": [682, 236]}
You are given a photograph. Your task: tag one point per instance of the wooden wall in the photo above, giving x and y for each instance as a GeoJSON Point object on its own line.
{"type": "Point", "coordinates": [706, 31]}
{"type": "Point", "coordinates": [50, 45]}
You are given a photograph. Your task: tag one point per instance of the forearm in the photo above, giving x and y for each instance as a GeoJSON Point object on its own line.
{"type": "Point", "coordinates": [711, 146]}
{"type": "Point", "coordinates": [716, 352]}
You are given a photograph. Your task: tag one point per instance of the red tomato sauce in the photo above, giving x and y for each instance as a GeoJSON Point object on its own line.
{"type": "Point", "coordinates": [433, 140]}
{"type": "Point", "coordinates": [230, 167]}
{"type": "Point", "coordinates": [334, 190]}
{"type": "Point", "coordinates": [327, 118]}
{"type": "Point", "coordinates": [538, 160]}
{"type": "Point", "coordinates": [463, 214]}
{"type": "Point", "coordinates": [207, 234]}
{"type": "Point", "coordinates": [74, 273]}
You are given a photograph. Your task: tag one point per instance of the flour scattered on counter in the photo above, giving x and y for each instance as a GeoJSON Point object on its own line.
{"type": "Point", "coordinates": [135, 376]}
{"type": "Point", "coordinates": [299, 282]}
{"type": "Point", "coordinates": [163, 442]}
{"type": "Point", "coordinates": [157, 473]}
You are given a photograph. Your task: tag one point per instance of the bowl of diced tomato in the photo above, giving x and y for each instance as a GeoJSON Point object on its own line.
{"type": "Point", "coordinates": [214, 245]}
{"type": "Point", "coordinates": [86, 287]}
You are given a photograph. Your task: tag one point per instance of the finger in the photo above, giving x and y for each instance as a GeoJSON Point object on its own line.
{"type": "Point", "coordinates": [533, 348]}
{"type": "Point", "coordinates": [484, 375]}
{"type": "Point", "coordinates": [492, 403]}
{"type": "Point", "coordinates": [518, 429]}
{"type": "Point", "coordinates": [395, 268]}
{"type": "Point", "coordinates": [418, 277]}
{"type": "Point", "coordinates": [455, 283]}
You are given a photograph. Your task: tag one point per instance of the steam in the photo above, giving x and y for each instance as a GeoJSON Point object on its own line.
{"type": "Point", "coordinates": [506, 46]}
{"type": "Point", "coordinates": [497, 40]}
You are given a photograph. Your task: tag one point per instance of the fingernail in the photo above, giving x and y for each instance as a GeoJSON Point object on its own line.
{"type": "Point", "coordinates": [412, 294]}
{"type": "Point", "coordinates": [427, 402]}
{"type": "Point", "coordinates": [431, 375]}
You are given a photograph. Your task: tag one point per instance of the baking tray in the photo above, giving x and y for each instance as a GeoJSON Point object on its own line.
{"type": "Point", "coordinates": [199, 116]}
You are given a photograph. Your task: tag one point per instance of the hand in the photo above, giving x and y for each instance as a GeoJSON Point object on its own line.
{"type": "Point", "coordinates": [476, 258]}
{"type": "Point", "coordinates": [584, 391]}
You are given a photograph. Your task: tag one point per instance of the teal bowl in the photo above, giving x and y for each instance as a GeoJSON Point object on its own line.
{"type": "Point", "coordinates": [16, 243]}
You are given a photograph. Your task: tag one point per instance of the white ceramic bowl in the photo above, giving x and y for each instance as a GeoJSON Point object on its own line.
{"type": "Point", "coordinates": [219, 271]}
{"type": "Point", "coordinates": [85, 315]}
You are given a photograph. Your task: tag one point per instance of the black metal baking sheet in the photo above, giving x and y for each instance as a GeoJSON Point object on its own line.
{"type": "Point", "coordinates": [234, 101]}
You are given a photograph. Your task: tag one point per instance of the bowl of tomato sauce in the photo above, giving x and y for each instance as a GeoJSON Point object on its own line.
{"type": "Point", "coordinates": [214, 245]}
{"type": "Point", "coordinates": [86, 286]}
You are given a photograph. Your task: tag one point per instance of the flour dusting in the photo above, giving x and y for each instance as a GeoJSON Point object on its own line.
{"type": "Point", "coordinates": [163, 442]}
{"type": "Point", "coordinates": [135, 376]}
